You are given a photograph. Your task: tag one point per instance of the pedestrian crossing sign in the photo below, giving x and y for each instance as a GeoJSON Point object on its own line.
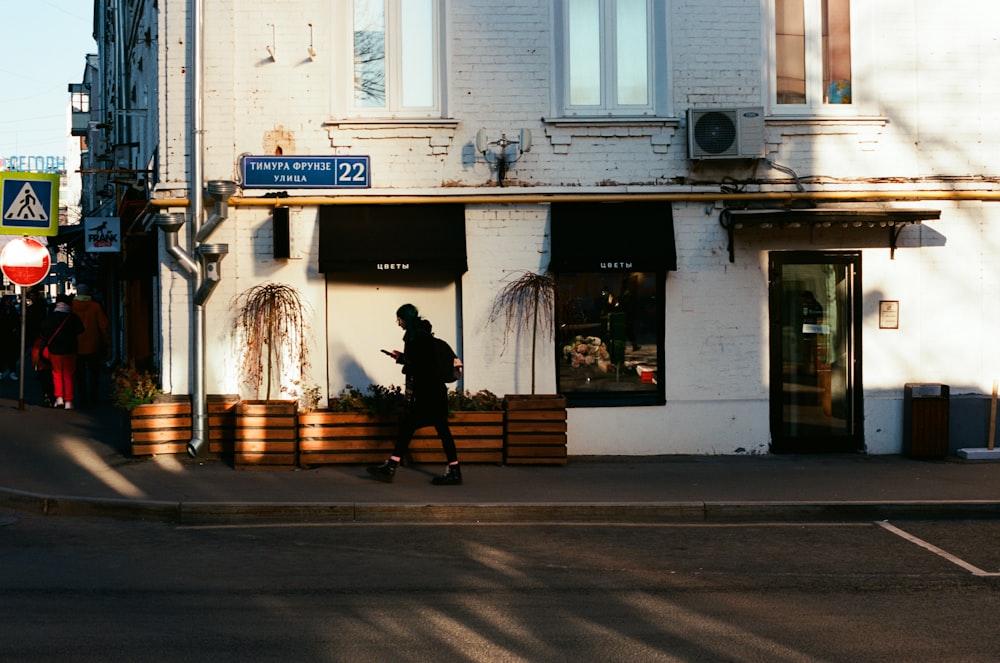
{"type": "Point", "coordinates": [30, 203]}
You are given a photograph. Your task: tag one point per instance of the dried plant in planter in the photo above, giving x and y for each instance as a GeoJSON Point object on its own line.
{"type": "Point", "coordinates": [527, 303]}
{"type": "Point", "coordinates": [272, 323]}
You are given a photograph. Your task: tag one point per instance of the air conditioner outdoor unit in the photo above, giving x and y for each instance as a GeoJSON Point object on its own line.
{"type": "Point", "coordinates": [725, 133]}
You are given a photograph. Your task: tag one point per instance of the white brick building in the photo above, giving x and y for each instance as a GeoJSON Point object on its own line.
{"type": "Point", "coordinates": [872, 185]}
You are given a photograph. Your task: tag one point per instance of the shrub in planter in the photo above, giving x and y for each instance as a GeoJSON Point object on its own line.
{"type": "Point", "coordinates": [131, 387]}
{"type": "Point", "coordinates": [360, 427]}
{"type": "Point", "coordinates": [156, 423]}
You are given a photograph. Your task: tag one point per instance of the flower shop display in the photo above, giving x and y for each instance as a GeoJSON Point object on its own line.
{"type": "Point", "coordinates": [588, 352]}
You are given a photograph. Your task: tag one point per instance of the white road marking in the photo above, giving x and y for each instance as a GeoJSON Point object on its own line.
{"type": "Point", "coordinates": [974, 570]}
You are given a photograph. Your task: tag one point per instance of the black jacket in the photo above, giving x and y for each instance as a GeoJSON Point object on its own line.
{"type": "Point", "coordinates": [428, 394]}
{"type": "Point", "coordinates": [60, 331]}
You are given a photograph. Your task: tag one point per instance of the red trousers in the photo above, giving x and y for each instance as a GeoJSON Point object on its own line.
{"type": "Point", "coordinates": [63, 375]}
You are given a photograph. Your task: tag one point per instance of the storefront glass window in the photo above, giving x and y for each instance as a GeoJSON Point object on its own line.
{"type": "Point", "coordinates": [609, 338]}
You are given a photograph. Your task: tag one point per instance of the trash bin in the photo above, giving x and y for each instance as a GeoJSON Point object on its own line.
{"type": "Point", "coordinates": [925, 419]}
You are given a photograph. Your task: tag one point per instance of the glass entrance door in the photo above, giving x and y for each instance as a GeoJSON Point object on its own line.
{"type": "Point", "coordinates": [815, 347]}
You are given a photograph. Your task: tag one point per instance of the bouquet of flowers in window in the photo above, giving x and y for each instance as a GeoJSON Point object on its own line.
{"type": "Point", "coordinates": [588, 351]}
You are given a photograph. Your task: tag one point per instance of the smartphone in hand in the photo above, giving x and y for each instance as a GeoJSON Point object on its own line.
{"type": "Point", "coordinates": [388, 353]}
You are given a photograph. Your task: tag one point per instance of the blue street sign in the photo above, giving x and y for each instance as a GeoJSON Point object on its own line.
{"type": "Point", "coordinates": [29, 204]}
{"type": "Point", "coordinates": [289, 172]}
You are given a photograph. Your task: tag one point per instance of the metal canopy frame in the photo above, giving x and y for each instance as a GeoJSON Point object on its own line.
{"type": "Point", "coordinates": [893, 219]}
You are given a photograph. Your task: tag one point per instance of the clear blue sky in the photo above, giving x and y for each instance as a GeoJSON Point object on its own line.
{"type": "Point", "coordinates": [44, 48]}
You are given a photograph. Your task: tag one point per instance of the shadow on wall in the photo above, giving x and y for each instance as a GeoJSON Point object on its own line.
{"type": "Point", "coordinates": [354, 375]}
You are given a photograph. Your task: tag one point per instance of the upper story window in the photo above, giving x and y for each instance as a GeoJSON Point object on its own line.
{"type": "Point", "coordinates": [811, 55]}
{"type": "Point", "coordinates": [80, 105]}
{"type": "Point", "coordinates": [395, 58]}
{"type": "Point", "coordinates": [608, 55]}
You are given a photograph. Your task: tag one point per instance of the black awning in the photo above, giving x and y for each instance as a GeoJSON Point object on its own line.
{"type": "Point", "coordinates": [376, 238]}
{"type": "Point", "coordinates": [894, 219]}
{"type": "Point", "coordinates": [626, 236]}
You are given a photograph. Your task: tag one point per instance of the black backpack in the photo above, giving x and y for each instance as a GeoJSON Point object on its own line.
{"type": "Point", "coordinates": [447, 365]}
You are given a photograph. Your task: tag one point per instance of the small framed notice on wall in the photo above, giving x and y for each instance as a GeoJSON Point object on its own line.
{"type": "Point", "coordinates": [888, 314]}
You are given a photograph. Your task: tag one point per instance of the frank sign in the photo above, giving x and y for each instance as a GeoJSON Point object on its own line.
{"type": "Point", "coordinates": [102, 234]}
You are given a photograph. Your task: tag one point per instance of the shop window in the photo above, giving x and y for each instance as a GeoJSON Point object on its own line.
{"type": "Point", "coordinates": [609, 52]}
{"type": "Point", "coordinates": [610, 266]}
{"type": "Point", "coordinates": [811, 47]}
{"type": "Point", "coordinates": [610, 338]}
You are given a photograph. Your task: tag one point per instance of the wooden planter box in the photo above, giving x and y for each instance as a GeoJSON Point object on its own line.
{"type": "Point", "coordinates": [535, 429]}
{"type": "Point", "coordinates": [166, 426]}
{"type": "Point", "coordinates": [265, 435]}
{"type": "Point", "coordinates": [346, 437]}
{"type": "Point", "coordinates": [222, 423]}
{"type": "Point", "coordinates": [163, 427]}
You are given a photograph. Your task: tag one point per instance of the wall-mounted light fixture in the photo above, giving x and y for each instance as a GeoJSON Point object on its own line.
{"type": "Point", "coordinates": [504, 152]}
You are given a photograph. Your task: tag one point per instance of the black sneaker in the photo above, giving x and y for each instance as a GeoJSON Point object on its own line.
{"type": "Point", "coordinates": [453, 477]}
{"type": "Point", "coordinates": [384, 472]}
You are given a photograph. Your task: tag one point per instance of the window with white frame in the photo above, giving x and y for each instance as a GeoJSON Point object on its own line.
{"type": "Point", "coordinates": [811, 55]}
{"type": "Point", "coordinates": [395, 58]}
{"type": "Point", "coordinates": [608, 55]}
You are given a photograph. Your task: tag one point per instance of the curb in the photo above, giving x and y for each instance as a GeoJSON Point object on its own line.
{"type": "Point", "coordinates": [688, 512]}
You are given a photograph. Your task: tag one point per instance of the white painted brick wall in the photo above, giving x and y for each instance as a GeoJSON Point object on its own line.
{"type": "Point", "coordinates": [502, 243]}
{"type": "Point", "coordinates": [933, 112]}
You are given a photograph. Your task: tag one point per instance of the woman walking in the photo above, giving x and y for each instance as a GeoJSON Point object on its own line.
{"type": "Point", "coordinates": [60, 333]}
{"type": "Point", "coordinates": [427, 398]}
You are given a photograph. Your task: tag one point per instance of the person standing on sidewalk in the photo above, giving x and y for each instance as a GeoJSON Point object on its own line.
{"type": "Point", "coordinates": [60, 330]}
{"type": "Point", "coordinates": [38, 310]}
{"type": "Point", "coordinates": [10, 338]}
{"type": "Point", "coordinates": [426, 396]}
{"type": "Point", "coordinates": [94, 345]}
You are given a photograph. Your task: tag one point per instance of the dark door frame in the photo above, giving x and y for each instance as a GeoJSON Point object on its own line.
{"type": "Point", "coordinates": [853, 441]}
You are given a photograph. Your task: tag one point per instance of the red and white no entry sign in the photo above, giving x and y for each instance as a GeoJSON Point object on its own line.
{"type": "Point", "coordinates": [25, 261]}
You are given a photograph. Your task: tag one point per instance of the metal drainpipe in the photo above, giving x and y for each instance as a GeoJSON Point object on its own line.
{"type": "Point", "coordinates": [221, 190]}
{"type": "Point", "coordinates": [171, 223]}
{"type": "Point", "coordinates": [198, 407]}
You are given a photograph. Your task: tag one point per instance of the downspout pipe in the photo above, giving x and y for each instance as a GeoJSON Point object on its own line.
{"type": "Point", "coordinates": [170, 223]}
{"type": "Point", "coordinates": [199, 417]}
{"type": "Point", "coordinates": [220, 190]}
{"type": "Point", "coordinates": [211, 256]}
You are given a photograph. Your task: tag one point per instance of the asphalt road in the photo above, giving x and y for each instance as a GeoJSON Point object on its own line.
{"type": "Point", "coordinates": [87, 589]}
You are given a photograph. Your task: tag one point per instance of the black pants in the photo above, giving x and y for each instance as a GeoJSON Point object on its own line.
{"type": "Point", "coordinates": [44, 377]}
{"type": "Point", "coordinates": [409, 424]}
{"type": "Point", "coordinates": [88, 373]}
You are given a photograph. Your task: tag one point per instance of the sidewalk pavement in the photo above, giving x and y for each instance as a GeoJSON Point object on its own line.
{"type": "Point", "coordinates": [77, 462]}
